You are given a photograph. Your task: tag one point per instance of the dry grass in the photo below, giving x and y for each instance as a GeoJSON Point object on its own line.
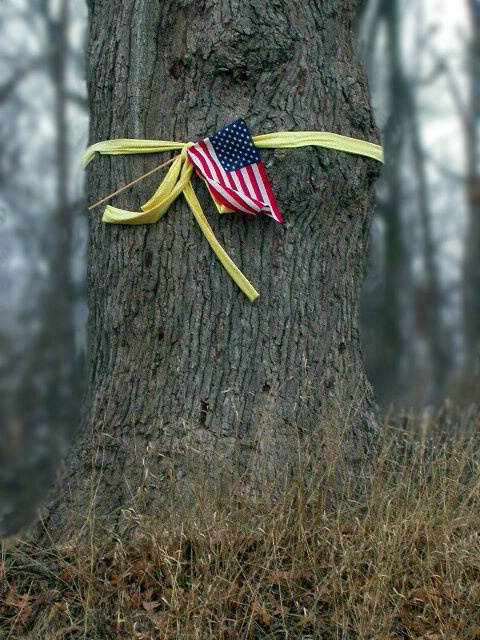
{"type": "Point", "coordinates": [401, 562]}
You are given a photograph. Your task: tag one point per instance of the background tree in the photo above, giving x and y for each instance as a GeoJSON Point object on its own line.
{"type": "Point", "coordinates": [472, 260]}
{"type": "Point", "coordinates": [411, 311]}
{"type": "Point", "coordinates": [41, 280]}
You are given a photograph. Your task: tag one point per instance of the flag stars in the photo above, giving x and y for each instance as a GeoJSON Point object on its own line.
{"type": "Point", "coordinates": [234, 146]}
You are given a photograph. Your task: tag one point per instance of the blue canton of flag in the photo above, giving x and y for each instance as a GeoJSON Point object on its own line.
{"type": "Point", "coordinates": [234, 146]}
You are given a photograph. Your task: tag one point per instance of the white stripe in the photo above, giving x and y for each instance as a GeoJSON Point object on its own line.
{"type": "Point", "coordinates": [237, 181]}
{"type": "Point", "coordinates": [261, 186]}
{"type": "Point", "coordinates": [216, 185]}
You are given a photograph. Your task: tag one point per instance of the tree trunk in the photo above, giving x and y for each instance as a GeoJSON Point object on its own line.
{"type": "Point", "coordinates": [183, 368]}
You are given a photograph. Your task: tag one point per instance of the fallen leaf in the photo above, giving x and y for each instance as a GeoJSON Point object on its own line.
{"type": "Point", "coordinates": [150, 606]}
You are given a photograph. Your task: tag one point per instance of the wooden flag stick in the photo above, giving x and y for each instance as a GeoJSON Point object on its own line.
{"type": "Point", "coordinates": [130, 184]}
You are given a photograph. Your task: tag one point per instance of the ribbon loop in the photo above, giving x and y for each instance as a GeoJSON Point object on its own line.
{"type": "Point", "coordinates": [178, 181]}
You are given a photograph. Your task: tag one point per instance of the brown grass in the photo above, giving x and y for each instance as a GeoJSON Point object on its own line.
{"type": "Point", "coordinates": [403, 561]}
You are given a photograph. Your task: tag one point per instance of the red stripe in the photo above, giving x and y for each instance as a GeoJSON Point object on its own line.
{"type": "Point", "coordinates": [216, 175]}
{"type": "Point", "coordinates": [219, 198]}
{"type": "Point", "coordinates": [269, 191]}
{"type": "Point", "coordinates": [252, 190]}
{"type": "Point", "coordinates": [203, 169]}
{"type": "Point", "coordinates": [207, 160]}
{"type": "Point", "coordinates": [239, 200]}
{"type": "Point", "coordinates": [203, 172]}
{"type": "Point", "coordinates": [236, 201]}
{"type": "Point", "coordinates": [236, 198]}
{"type": "Point", "coordinates": [246, 189]}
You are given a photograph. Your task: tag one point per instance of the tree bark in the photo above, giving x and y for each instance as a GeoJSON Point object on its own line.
{"type": "Point", "coordinates": [183, 369]}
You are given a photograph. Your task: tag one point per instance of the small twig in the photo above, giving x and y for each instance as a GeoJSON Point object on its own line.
{"type": "Point", "coordinates": [130, 184]}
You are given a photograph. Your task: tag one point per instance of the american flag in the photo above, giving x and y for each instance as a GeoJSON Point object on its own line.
{"type": "Point", "coordinates": [230, 164]}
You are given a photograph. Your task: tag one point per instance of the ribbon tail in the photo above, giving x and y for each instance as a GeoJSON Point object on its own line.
{"type": "Point", "coordinates": [228, 264]}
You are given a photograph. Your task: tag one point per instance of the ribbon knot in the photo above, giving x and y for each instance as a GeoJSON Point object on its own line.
{"type": "Point", "coordinates": [178, 181]}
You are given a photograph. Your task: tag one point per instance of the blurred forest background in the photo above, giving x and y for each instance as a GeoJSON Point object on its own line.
{"type": "Point", "coordinates": [421, 301]}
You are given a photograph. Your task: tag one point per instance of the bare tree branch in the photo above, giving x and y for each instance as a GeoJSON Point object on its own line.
{"type": "Point", "coordinates": [9, 87]}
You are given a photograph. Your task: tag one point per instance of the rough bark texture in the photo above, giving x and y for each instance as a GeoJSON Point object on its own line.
{"type": "Point", "coordinates": [179, 358]}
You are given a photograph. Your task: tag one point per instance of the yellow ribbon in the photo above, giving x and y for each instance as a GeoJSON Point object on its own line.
{"type": "Point", "coordinates": [178, 180]}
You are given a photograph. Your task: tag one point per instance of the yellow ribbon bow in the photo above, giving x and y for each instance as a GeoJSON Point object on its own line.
{"type": "Point", "coordinates": [178, 180]}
